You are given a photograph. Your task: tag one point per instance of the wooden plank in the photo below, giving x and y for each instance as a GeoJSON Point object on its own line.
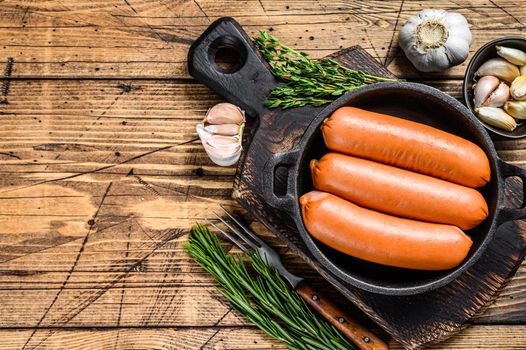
{"type": "Point", "coordinates": [43, 227]}
{"type": "Point", "coordinates": [144, 338]}
{"type": "Point", "coordinates": [151, 39]}
{"type": "Point", "coordinates": [477, 337]}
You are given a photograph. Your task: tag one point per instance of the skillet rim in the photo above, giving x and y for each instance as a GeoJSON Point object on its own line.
{"type": "Point", "coordinates": [468, 119]}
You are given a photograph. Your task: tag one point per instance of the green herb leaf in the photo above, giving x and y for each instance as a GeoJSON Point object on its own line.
{"type": "Point", "coordinates": [262, 296]}
{"type": "Point", "coordinates": [309, 82]}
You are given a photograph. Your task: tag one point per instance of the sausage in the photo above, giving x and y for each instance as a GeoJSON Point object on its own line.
{"type": "Point", "coordinates": [406, 144]}
{"type": "Point", "coordinates": [384, 239]}
{"type": "Point", "coordinates": [397, 191]}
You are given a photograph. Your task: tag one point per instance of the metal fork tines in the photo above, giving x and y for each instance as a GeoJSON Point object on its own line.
{"type": "Point", "coordinates": [255, 243]}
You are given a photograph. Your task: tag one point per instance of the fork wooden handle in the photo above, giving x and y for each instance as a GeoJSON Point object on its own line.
{"type": "Point", "coordinates": [359, 335]}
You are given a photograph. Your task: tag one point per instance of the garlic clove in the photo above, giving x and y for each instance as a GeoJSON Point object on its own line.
{"type": "Point", "coordinates": [202, 132]}
{"type": "Point", "coordinates": [484, 88]}
{"type": "Point", "coordinates": [225, 113]}
{"type": "Point", "coordinates": [498, 97]}
{"type": "Point", "coordinates": [514, 56]}
{"type": "Point", "coordinates": [496, 117]}
{"type": "Point", "coordinates": [223, 129]}
{"type": "Point", "coordinates": [518, 88]}
{"type": "Point", "coordinates": [223, 150]}
{"type": "Point", "coordinates": [516, 109]}
{"type": "Point", "coordinates": [500, 68]}
{"type": "Point", "coordinates": [523, 70]}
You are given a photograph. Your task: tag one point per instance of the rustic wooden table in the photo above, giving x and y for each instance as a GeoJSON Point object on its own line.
{"type": "Point", "coordinates": [102, 175]}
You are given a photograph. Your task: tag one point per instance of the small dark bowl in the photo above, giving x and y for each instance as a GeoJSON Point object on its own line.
{"type": "Point", "coordinates": [483, 54]}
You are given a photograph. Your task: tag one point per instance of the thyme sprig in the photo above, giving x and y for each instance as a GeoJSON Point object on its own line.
{"type": "Point", "coordinates": [307, 81]}
{"type": "Point", "coordinates": [262, 296]}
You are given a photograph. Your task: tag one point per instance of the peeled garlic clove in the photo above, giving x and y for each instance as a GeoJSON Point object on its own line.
{"type": "Point", "coordinates": [496, 117]}
{"type": "Point", "coordinates": [518, 88]}
{"type": "Point", "coordinates": [517, 109]}
{"type": "Point", "coordinates": [498, 97]}
{"type": "Point", "coordinates": [484, 88]}
{"type": "Point", "coordinates": [223, 150]}
{"type": "Point", "coordinates": [511, 55]}
{"type": "Point", "coordinates": [523, 70]}
{"type": "Point", "coordinates": [225, 113]}
{"type": "Point", "coordinates": [223, 129]}
{"type": "Point", "coordinates": [499, 68]}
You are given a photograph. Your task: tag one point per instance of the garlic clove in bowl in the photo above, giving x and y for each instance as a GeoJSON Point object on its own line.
{"type": "Point", "coordinates": [515, 56]}
{"type": "Point", "coordinates": [499, 68]}
{"type": "Point", "coordinates": [517, 109]}
{"type": "Point", "coordinates": [484, 88]}
{"type": "Point", "coordinates": [518, 88]}
{"type": "Point", "coordinates": [496, 117]}
{"type": "Point", "coordinates": [498, 97]}
{"type": "Point", "coordinates": [221, 133]}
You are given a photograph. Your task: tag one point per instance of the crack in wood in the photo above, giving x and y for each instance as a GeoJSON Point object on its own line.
{"type": "Point", "coordinates": [387, 61]}
{"type": "Point", "coordinates": [202, 11]}
{"type": "Point", "coordinates": [164, 148]}
{"type": "Point", "coordinates": [70, 273]}
{"type": "Point", "coordinates": [506, 12]}
{"type": "Point", "coordinates": [151, 246]}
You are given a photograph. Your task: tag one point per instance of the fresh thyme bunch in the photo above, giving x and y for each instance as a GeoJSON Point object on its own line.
{"type": "Point", "coordinates": [263, 297]}
{"type": "Point", "coordinates": [308, 81]}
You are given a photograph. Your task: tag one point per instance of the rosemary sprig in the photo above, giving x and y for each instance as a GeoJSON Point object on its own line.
{"type": "Point", "coordinates": [307, 81]}
{"type": "Point", "coordinates": [263, 297]}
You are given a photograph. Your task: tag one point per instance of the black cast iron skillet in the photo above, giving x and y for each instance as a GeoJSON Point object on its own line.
{"type": "Point", "coordinates": [415, 102]}
{"type": "Point", "coordinates": [247, 80]}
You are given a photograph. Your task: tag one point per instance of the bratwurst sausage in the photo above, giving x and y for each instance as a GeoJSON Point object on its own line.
{"type": "Point", "coordinates": [369, 235]}
{"type": "Point", "coordinates": [397, 191]}
{"type": "Point", "coordinates": [406, 144]}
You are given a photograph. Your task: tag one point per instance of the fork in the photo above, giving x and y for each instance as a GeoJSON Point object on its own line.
{"type": "Point", "coordinates": [362, 337]}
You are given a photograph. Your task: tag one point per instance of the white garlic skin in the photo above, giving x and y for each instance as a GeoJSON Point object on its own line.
{"type": "Point", "coordinates": [499, 96]}
{"type": "Point", "coordinates": [499, 68]}
{"type": "Point", "coordinates": [221, 133]}
{"type": "Point", "coordinates": [225, 113]}
{"type": "Point", "coordinates": [435, 40]}
{"type": "Point", "coordinates": [517, 109]}
{"type": "Point", "coordinates": [496, 117]}
{"type": "Point", "coordinates": [484, 88]}
{"type": "Point", "coordinates": [518, 88]}
{"type": "Point", "coordinates": [515, 56]}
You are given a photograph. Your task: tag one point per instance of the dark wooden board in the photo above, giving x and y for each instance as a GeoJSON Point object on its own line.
{"type": "Point", "coordinates": [414, 321]}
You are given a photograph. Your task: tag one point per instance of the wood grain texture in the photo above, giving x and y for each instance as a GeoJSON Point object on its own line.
{"type": "Point", "coordinates": [142, 38]}
{"type": "Point", "coordinates": [99, 94]}
{"type": "Point", "coordinates": [208, 338]}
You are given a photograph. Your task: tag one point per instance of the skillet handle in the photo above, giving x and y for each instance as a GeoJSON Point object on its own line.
{"type": "Point", "coordinates": [246, 82]}
{"type": "Point", "coordinates": [509, 214]}
{"type": "Point", "coordinates": [284, 202]}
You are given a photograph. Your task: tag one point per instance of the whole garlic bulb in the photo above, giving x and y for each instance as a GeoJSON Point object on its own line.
{"type": "Point", "coordinates": [434, 40]}
{"type": "Point", "coordinates": [221, 133]}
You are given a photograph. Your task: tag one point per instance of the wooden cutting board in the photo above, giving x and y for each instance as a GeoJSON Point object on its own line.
{"type": "Point", "coordinates": [414, 321]}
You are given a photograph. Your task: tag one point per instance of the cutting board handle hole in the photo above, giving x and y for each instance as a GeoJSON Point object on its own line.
{"type": "Point", "coordinates": [281, 178]}
{"type": "Point", "coordinates": [228, 54]}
